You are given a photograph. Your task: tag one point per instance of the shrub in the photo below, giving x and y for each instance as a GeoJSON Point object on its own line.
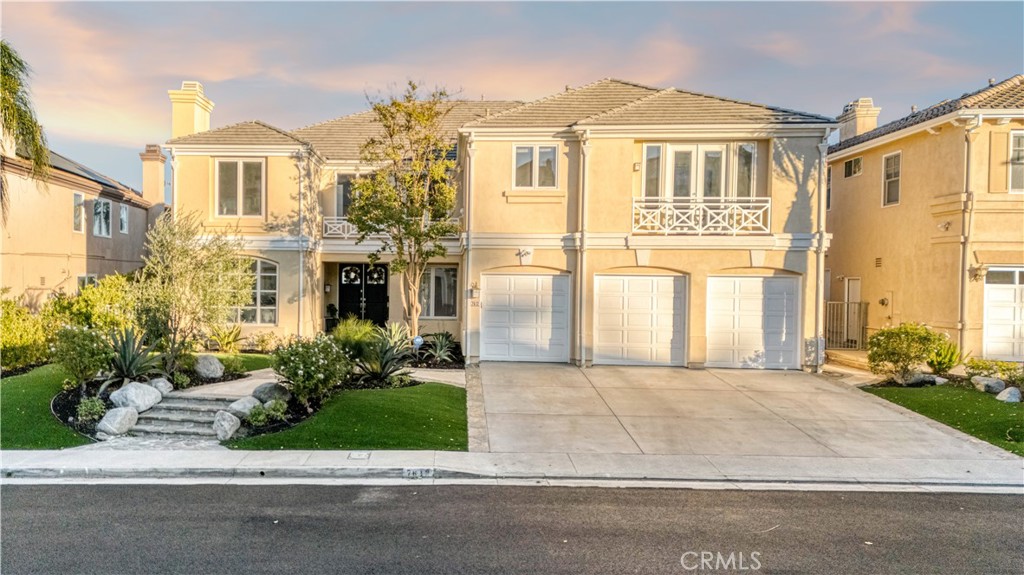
{"type": "Point", "coordinates": [312, 366]}
{"type": "Point", "coordinates": [1015, 377]}
{"type": "Point", "coordinates": [82, 353]}
{"type": "Point", "coordinates": [441, 347]}
{"type": "Point", "coordinates": [91, 409]}
{"type": "Point", "coordinates": [944, 357]}
{"type": "Point", "coordinates": [898, 351]}
{"type": "Point", "coordinates": [181, 381]}
{"type": "Point", "coordinates": [263, 414]}
{"type": "Point", "coordinates": [384, 359]}
{"type": "Point", "coordinates": [131, 359]}
{"type": "Point", "coordinates": [355, 336]}
{"type": "Point", "coordinates": [187, 362]}
{"type": "Point", "coordinates": [22, 339]}
{"type": "Point", "coordinates": [232, 364]}
{"type": "Point", "coordinates": [264, 342]}
{"type": "Point", "coordinates": [108, 305]}
{"type": "Point", "coordinates": [227, 337]}
{"type": "Point", "coordinates": [990, 368]}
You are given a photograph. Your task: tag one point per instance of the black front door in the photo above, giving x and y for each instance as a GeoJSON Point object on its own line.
{"type": "Point", "coordinates": [364, 292]}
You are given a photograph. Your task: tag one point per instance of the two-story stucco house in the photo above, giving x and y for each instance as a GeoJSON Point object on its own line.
{"type": "Point", "coordinates": [927, 215]}
{"type": "Point", "coordinates": [612, 223]}
{"type": "Point", "coordinates": [75, 228]}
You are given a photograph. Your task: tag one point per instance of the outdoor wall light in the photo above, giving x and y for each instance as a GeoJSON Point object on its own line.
{"type": "Point", "coordinates": [327, 288]}
{"type": "Point", "coordinates": [944, 226]}
{"type": "Point", "coordinates": [636, 166]}
{"type": "Point", "coordinates": [883, 302]}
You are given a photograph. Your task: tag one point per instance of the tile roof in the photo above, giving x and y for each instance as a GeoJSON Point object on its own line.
{"type": "Point", "coordinates": [342, 138]}
{"type": "Point", "coordinates": [253, 132]}
{"type": "Point", "coordinates": [1008, 94]}
{"type": "Point", "coordinates": [616, 102]}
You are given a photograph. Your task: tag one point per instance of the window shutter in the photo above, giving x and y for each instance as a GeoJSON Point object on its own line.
{"type": "Point", "coordinates": [999, 162]}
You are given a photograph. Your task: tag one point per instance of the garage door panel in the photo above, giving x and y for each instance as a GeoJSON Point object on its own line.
{"type": "Point", "coordinates": [639, 320]}
{"type": "Point", "coordinates": [524, 318]}
{"type": "Point", "coordinates": [752, 322]}
{"type": "Point", "coordinates": [1004, 315]}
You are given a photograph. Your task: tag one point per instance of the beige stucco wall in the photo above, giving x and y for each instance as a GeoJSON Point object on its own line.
{"type": "Point", "coordinates": [919, 250]}
{"type": "Point", "coordinates": [41, 252]}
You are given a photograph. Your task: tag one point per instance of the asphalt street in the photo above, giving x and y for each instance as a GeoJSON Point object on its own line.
{"type": "Point", "coordinates": [198, 529]}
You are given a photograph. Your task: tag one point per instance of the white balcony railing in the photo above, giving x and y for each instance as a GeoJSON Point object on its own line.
{"type": "Point", "coordinates": [696, 216]}
{"type": "Point", "coordinates": [341, 228]}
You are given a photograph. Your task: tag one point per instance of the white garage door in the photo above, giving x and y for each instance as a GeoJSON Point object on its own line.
{"type": "Point", "coordinates": [640, 320]}
{"type": "Point", "coordinates": [753, 323]}
{"type": "Point", "coordinates": [525, 318]}
{"type": "Point", "coordinates": [1004, 314]}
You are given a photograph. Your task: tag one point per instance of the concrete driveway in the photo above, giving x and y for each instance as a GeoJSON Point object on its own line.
{"type": "Point", "coordinates": [552, 408]}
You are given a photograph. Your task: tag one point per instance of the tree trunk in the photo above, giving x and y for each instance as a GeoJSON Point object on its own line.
{"type": "Point", "coordinates": [411, 295]}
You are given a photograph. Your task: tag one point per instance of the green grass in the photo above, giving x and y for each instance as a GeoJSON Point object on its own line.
{"type": "Point", "coordinates": [25, 418]}
{"type": "Point", "coordinates": [427, 416]}
{"type": "Point", "coordinates": [251, 361]}
{"type": "Point", "coordinates": [973, 412]}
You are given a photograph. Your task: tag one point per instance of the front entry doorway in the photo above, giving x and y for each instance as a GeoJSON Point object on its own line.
{"type": "Point", "coordinates": [363, 292]}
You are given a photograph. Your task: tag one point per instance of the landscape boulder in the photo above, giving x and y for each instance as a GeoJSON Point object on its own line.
{"type": "Point", "coordinates": [921, 379]}
{"type": "Point", "coordinates": [162, 385]}
{"type": "Point", "coordinates": [209, 367]}
{"type": "Point", "coordinates": [136, 395]}
{"type": "Point", "coordinates": [988, 384]}
{"type": "Point", "coordinates": [242, 407]}
{"type": "Point", "coordinates": [225, 425]}
{"type": "Point", "coordinates": [1009, 395]}
{"type": "Point", "coordinates": [271, 391]}
{"type": "Point", "coordinates": [941, 380]}
{"type": "Point", "coordinates": [118, 421]}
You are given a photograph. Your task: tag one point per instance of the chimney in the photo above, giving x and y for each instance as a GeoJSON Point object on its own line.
{"type": "Point", "coordinates": [190, 110]}
{"type": "Point", "coordinates": [857, 118]}
{"type": "Point", "coordinates": [153, 160]}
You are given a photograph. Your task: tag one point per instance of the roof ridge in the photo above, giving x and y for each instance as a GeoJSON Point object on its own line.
{"type": "Point", "coordinates": [627, 105]}
{"type": "Point", "coordinates": [525, 105]}
{"type": "Point", "coordinates": [637, 84]}
{"type": "Point", "coordinates": [754, 104]}
{"type": "Point", "coordinates": [1011, 82]}
{"type": "Point", "coordinates": [321, 123]}
{"type": "Point", "coordinates": [280, 131]}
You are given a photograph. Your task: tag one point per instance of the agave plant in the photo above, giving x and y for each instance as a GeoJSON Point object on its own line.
{"type": "Point", "coordinates": [132, 359]}
{"type": "Point", "coordinates": [396, 334]}
{"type": "Point", "coordinates": [383, 359]}
{"type": "Point", "coordinates": [227, 337]}
{"type": "Point", "coordinates": [441, 348]}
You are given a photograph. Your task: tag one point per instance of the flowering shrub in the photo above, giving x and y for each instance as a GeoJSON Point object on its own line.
{"type": "Point", "coordinates": [990, 368]}
{"type": "Point", "coordinates": [22, 338]}
{"type": "Point", "coordinates": [311, 366]}
{"type": "Point", "coordinates": [263, 342]}
{"type": "Point", "coordinates": [82, 353]}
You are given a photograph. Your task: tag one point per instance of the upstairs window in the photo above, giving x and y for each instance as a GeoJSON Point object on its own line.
{"type": "Point", "coordinates": [891, 179]}
{"type": "Point", "coordinates": [437, 292]}
{"type": "Point", "coordinates": [78, 214]}
{"type": "Point", "coordinates": [1017, 162]}
{"type": "Point", "coordinates": [536, 166]}
{"type": "Point", "coordinates": [711, 171]}
{"type": "Point", "coordinates": [828, 190]}
{"type": "Point", "coordinates": [240, 188]}
{"type": "Point", "coordinates": [101, 218]}
{"type": "Point", "coordinates": [343, 195]}
{"type": "Point", "coordinates": [122, 221]}
{"type": "Point", "coordinates": [745, 170]}
{"type": "Point", "coordinates": [852, 168]}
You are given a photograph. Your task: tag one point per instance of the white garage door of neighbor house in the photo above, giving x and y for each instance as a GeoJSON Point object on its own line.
{"type": "Point", "coordinates": [524, 318]}
{"type": "Point", "coordinates": [753, 323]}
{"type": "Point", "coordinates": [1004, 314]}
{"type": "Point", "coordinates": [640, 320]}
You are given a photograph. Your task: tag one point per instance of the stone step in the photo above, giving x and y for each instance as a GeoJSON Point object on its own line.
{"type": "Point", "coordinates": [186, 415]}
{"type": "Point", "coordinates": [200, 398]}
{"type": "Point", "coordinates": [169, 403]}
{"type": "Point", "coordinates": [176, 428]}
{"type": "Point", "coordinates": [848, 360]}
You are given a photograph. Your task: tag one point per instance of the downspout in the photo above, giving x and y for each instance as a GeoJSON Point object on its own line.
{"type": "Point", "coordinates": [819, 270]}
{"type": "Point", "coordinates": [468, 246]}
{"type": "Point", "coordinates": [581, 250]}
{"type": "Point", "coordinates": [966, 227]}
{"type": "Point", "coordinates": [174, 185]}
{"type": "Point", "coordinates": [303, 160]}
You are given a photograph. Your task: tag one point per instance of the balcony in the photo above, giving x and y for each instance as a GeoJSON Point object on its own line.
{"type": "Point", "coordinates": [340, 228]}
{"type": "Point", "coordinates": [697, 216]}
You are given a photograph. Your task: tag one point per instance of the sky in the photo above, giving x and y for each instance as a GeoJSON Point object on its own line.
{"type": "Point", "coordinates": [101, 70]}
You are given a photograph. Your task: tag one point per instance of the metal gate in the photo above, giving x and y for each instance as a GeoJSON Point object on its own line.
{"type": "Point", "coordinates": [846, 324]}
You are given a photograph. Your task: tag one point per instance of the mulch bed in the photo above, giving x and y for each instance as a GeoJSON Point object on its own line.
{"type": "Point", "coordinates": [458, 362]}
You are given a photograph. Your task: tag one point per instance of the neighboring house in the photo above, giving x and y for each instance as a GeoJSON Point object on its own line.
{"type": "Point", "coordinates": [927, 215]}
{"type": "Point", "coordinates": [75, 228]}
{"type": "Point", "coordinates": [612, 223]}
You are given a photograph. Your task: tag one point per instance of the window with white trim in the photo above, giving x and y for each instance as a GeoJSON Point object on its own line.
{"type": "Point", "coordinates": [262, 306]}
{"type": "Point", "coordinates": [705, 170]}
{"type": "Point", "coordinates": [343, 195]}
{"type": "Point", "coordinates": [122, 220]}
{"type": "Point", "coordinates": [828, 188]}
{"type": "Point", "coordinates": [852, 167]}
{"type": "Point", "coordinates": [745, 154]}
{"type": "Point", "coordinates": [78, 214]}
{"type": "Point", "coordinates": [891, 179]}
{"type": "Point", "coordinates": [101, 217]}
{"type": "Point", "coordinates": [86, 280]}
{"type": "Point", "coordinates": [1017, 162]}
{"type": "Point", "coordinates": [240, 188]}
{"type": "Point", "coordinates": [536, 167]}
{"type": "Point", "coordinates": [438, 295]}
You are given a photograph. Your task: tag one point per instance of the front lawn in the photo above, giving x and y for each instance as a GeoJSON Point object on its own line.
{"type": "Point", "coordinates": [973, 412]}
{"type": "Point", "coordinates": [251, 361]}
{"type": "Point", "coordinates": [25, 418]}
{"type": "Point", "coordinates": [428, 416]}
